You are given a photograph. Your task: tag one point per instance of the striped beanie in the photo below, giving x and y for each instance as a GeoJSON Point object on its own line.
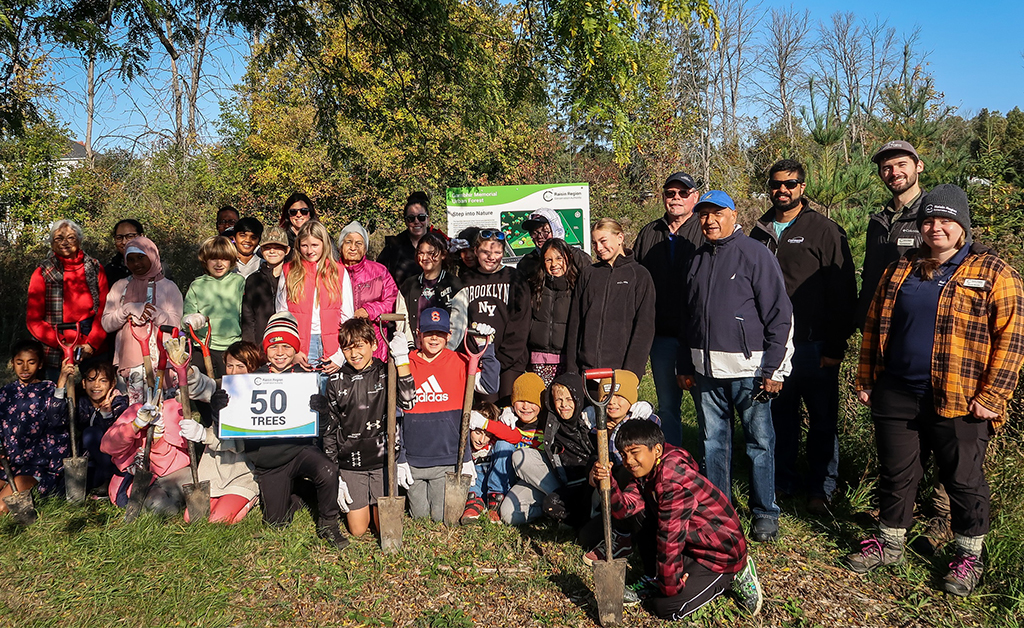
{"type": "Point", "coordinates": [282, 327]}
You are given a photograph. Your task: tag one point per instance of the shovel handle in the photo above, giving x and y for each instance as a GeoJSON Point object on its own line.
{"type": "Point", "coordinates": [598, 373]}
{"type": "Point", "coordinates": [391, 318]}
{"type": "Point", "coordinates": [72, 417]}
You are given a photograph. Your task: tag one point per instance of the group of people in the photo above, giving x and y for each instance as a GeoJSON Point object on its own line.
{"type": "Point", "coordinates": [751, 324]}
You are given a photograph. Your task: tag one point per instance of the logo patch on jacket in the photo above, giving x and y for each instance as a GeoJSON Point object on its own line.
{"type": "Point", "coordinates": [430, 390]}
{"type": "Point", "coordinates": [796, 240]}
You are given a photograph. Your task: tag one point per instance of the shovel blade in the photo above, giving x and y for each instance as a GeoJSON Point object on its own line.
{"type": "Point", "coordinates": [140, 489]}
{"type": "Point", "coordinates": [609, 585]}
{"type": "Point", "coordinates": [23, 511]}
{"type": "Point", "coordinates": [75, 472]}
{"type": "Point", "coordinates": [390, 511]}
{"type": "Point", "coordinates": [197, 500]}
{"type": "Point", "coordinates": [456, 489]}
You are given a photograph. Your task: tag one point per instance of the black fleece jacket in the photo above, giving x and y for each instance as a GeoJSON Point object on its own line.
{"type": "Point", "coordinates": [569, 445]}
{"type": "Point", "coordinates": [667, 262]}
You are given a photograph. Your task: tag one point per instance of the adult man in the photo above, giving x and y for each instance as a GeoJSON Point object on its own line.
{"type": "Point", "coordinates": [735, 346]}
{"type": "Point", "coordinates": [542, 225]}
{"type": "Point", "coordinates": [247, 234]}
{"type": "Point", "coordinates": [227, 216]}
{"type": "Point", "coordinates": [892, 231]}
{"type": "Point", "coordinates": [664, 247]}
{"type": "Point", "coordinates": [821, 282]}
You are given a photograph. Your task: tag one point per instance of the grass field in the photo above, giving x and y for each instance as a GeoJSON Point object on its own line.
{"type": "Point", "coordinates": [82, 566]}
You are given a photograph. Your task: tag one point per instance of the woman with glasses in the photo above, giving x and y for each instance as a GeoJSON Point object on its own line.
{"type": "Point", "coordinates": [124, 232]}
{"type": "Point", "coordinates": [498, 296]}
{"type": "Point", "coordinates": [436, 286]}
{"type": "Point", "coordinates": [296, 211]}
{"type": "Point", "coordinates": [399, 252]}
{"type": "Point", "coordinates": [68, 287]}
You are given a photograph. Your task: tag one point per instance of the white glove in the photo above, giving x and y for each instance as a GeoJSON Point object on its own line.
{"type": "Point", "coordinates": [404, 475]}
{"type": "Point", "coordinates": [641, 410]}
{"type": "Point", "coordinates": [508, 417]}
{"type": "Point", "coordinates": [468, 468]}
{"type": "Point", "coordinates": [158, 427]}
{"type": "Point", "coordinates": [483, 329]}
{"type": "Point", "coordinates": [195, 321]}
{"type": "Point", "coordinates": [477, 421]}
{"type": "Point", "coordinates": [193, 431]}
{"type": "Point", "coordinates": [146, 415]}
{"type": "Point", "coordinates": [344, 497]}
{"type": "Point", "coordinates": [399, 346]}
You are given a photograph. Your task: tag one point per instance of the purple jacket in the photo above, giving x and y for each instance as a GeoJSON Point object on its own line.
{"type": "Point", "coordinates": [374, 291]}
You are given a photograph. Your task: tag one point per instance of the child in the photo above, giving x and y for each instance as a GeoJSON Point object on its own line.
{"type": "Point", "coordinates": [98, 409]}
{"type": "Point", "coordinates": [692, 543]}
{"type": "Point", "coordinates": [432, 428]}
{"type": "Point", "coordinates": [233, 487]}
{"type": "Point", "coordinates": [33, 422]}
{"type": "Point", "coordinates": [216, 296]}
{"type": "Point", "coordinates": [260, 298]}
{"type": "Point", "coordinates": [279, 462]}
{"type": "Point", "coordinates": [355, 437]}
{"type": "Point", "coordinates": [481, 442]}
{"type": "Point", "coordinates": [571, 450]}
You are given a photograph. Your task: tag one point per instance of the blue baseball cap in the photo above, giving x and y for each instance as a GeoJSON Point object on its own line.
{"type": "Point", "coordinates": [434, 319]}
{"type": "Point", "coordinates": [717, 198]}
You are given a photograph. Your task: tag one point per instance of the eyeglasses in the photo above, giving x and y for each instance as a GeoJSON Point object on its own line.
{"type": "Point", "coordinates": [65, 239]}
{"type": "Point", "coordinates": [228, 222]}
{"type": "Point", "coordinates": [680, 193]}
{"type": "Point", "coordinates": [414, 218]}
{"type": "Point", "coordinates": [124, 237]}
{"type": "Point", "coordinates": [789, 183]}
{"type": "Point", "coordinates": [488, 234]}
{"type": "Point", "coordinates": [295, 211]}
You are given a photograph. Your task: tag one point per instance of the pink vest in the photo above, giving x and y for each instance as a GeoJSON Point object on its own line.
{"type": "Point", "coordinates": [330, 311]}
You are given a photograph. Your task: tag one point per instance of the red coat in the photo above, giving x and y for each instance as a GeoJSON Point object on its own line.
{"type": "Point", "coordinates": [78, 303]}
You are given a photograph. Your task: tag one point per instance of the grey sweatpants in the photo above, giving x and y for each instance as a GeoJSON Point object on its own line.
{"type": "Point", "coordinates": [525, 499]}
{"type": "Point", "coordinates": [426, 495]}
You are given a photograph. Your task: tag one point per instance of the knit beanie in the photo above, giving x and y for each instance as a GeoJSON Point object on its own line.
{"type": "Point", "coordinates": [626, 385]}
{"type": "Point", "coordinates": [528, 387]}
{"type": "Point", "coordinates": [282, 327]}
{"type": "Point", "coordinates": [354, 227]}
{"type": "Point", "coordinates": [945, 201]}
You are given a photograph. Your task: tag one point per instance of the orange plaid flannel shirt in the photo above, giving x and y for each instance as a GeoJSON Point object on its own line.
{"type": "Point", "coordinates": [979, 333]}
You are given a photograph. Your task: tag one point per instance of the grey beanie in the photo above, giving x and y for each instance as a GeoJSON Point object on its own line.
{"type": "Point", "coordinates": [354, 227]}
{"type": "Point", "coordinates": [945, 201]}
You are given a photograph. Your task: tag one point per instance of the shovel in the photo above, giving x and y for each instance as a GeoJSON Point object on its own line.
{"type": "Point", "coordinates": [76, 468]}
{"type": "Point", "coordinates": [197, 494]}
{"type": "Point", "coordinates": [19, 503]}
{"type": "Point", "coordinates": [456, 484]}
{"type": "Point", "coordinates": [143, 473]}
{"type": "Point", "coordinates": [609, 574]}
{"type": "Point", "coordinates": [391, 509]}
{"type": "Point", "coordinates": [204, 346]}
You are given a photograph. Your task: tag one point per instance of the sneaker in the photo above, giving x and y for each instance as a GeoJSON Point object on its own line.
{"type": "Point", "coordinates": [747, 588]}
{"type": "Point", "coordinates": [874, 554]}
{"type": "Point", "coordinates": [630, 597]}
{"type": "Point", "coordinates": [331, 532]}
{"type": "Point", "coordinates": [964, 574]}
{"type": "Point", "coordinates": [474, 508]}
{"type": "Point", "coordinates": [764, 530]}
{"type": "Point", "coordinates": [622, 546]}
{"type": "Point", "coordinates": [494, 500]}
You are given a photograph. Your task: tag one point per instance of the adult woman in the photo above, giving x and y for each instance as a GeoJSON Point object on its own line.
{"type": "Point", "coordinates": [296, 211]}
{"type": "Point", "coordinates": [145, 297]}
{"type": "Point", "coordinates": [436, 286]}
{"type": "Point", "coordinates": [943, 342]}
{"type": "Point", "coordinates": [551, 287]}
{"type": "Point", "coordinates": [68, 287]}
{"type": "Point", "coordinates": [373, 290]}
{"type": "Point", "coordinates": [399, 252]}
{"type": "Point", "coordinates": [124, 232]}
{"type": "Point", "coordinates": [611, 324]}
{"type": "Point", "coordinates": [317, 290]}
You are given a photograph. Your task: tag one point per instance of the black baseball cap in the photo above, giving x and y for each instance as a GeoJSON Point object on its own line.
{"type": "Point", "coordinates": [681, 178]}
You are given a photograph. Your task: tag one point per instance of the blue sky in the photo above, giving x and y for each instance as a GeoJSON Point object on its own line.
{"type": "Point", "coordinates": [974, 53]}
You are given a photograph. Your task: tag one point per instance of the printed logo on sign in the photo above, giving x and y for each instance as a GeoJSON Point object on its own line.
{"type": "Point", "coordinates": [548, 195]}
{"type": "Point", "coordinates": [431, 391]}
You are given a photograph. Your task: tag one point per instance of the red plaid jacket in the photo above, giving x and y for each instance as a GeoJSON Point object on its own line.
{"type": "Point", "coordinates": [979, 333]}
{"type": "Point", "coordinates": [693, 517]}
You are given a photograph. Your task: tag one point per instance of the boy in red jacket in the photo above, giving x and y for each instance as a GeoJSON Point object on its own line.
{"type": "Point", "coordinates": [692, 543]}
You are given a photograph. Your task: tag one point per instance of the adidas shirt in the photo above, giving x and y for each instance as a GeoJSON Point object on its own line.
{"type": "Point", "coordinates": [431, 428]}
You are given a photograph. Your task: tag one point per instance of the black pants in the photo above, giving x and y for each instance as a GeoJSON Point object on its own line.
{"type": "Point", "coordinates": [279, 497]}
{"type": "Point", "coordinates": [702, 586]}
{"type": "Point", "coordinates": [906, 423]}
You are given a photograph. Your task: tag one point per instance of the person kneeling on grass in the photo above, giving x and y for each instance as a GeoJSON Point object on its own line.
{"type": "Point", "coordinates": [356, 437]}
{"type": "Point", "coordinates": [692, 544]}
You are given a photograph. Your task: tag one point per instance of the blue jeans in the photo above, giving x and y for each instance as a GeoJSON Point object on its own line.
{"type": "Point", "coordinates": [502, 476]}
{"type": "Point", "coordinates": [483, 475]}
{"type": "Point", "coordinates": [670, 395]}
{"type": "Point", "coordinates": [316, 351]}
{"type": "Point", "coordinates": [819, 389]}
{"type": "Point", "coordinates": [718, 397]}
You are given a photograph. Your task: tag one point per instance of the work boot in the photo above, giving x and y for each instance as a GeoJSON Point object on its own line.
{"type": "Point", "coordinates": [764, 529]}
{"type": "Point", "coordinates": [622, 546]}
{"type": "Point", "coordinates": [747, 588]}
{"type": "Point", "coordinates": [874, 553]}
{"type": "Point", "coordinates": [964, 574]}
{"type": "Point", "coordinates": [938, 532]}
{"type": "Point", "coordinates": [330, 531]}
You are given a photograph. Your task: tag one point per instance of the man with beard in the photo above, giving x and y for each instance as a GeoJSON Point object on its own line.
{"type": "Point", "coordinates": [892, 231]}
{"type": "Point", "coordinates": [818, 269]}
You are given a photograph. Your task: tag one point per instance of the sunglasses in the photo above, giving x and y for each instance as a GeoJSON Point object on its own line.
{"type": "Point", "coordinates": [419, 217]}
{"type": "Point", "coordinates": [301, 210]}
{"type": "Point", "coordinates": [674, 193]}
{"type": "Point", "coordinates": [488, 234]}
{"type": "Point", "coordinates": [763, 396]}
{"type": "Point", "coordinates": [789, 183]}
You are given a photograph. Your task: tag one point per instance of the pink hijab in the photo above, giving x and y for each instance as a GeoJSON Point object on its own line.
{"type": "Point", "coordinates": [136, 290]}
